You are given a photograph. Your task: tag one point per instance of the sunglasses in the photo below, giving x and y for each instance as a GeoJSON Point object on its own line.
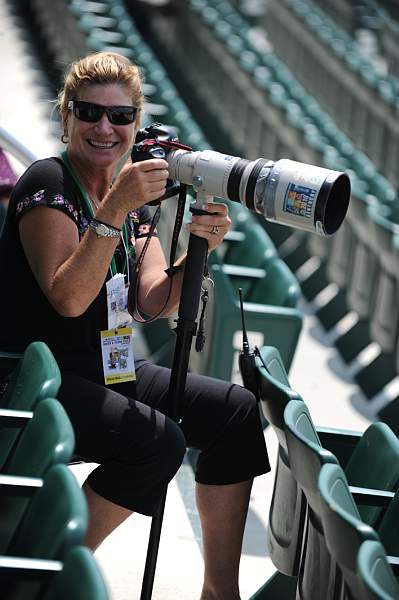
{"type": "Point", "coordinates": [92, 113]}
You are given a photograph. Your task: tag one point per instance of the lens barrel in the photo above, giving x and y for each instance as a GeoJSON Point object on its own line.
{"type": "Point", "coordinates": [289, 192]}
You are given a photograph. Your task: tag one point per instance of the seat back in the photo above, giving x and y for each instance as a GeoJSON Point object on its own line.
{"type": "Point", "coordinates": [255, 250]}
{"type": "Point", "coordinates": [80, 578]}
{"type": "Point", "coordinates": [36, 377]}
{"type": "Point", "coordinates": [274, 390]}
{"type": "Point", "coordinates": [306, 455]}
{"type": "Point", "coordinates": [279, 287]}
{"type": "Point", "coordinates": [55, 520]}
{"type": "Point", "coordinates": [317, 574]}
{"type": "Point", "coordinates": [376, 578]}
{"type": "Point", "coordinates": [374, 463]}
{"type": "Point", "coordinates": [48, 439]}
{"type": "Point", "coordinates": [343, 528]}
{"type": "Point", "coordinates": [272, 361]}
{"type": "Point", "coordinates": [388, 528]}
{"type": "Point", "coordinates": [287, 509]}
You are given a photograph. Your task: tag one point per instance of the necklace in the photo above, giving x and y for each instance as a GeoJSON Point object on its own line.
{"type": "Point", "coordinates": [94, 204]}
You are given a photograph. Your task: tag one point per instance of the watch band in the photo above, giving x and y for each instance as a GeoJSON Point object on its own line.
{"type": "Point", "coordinates": [102, 229]}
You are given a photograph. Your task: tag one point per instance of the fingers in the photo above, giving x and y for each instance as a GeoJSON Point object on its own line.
{"type": "Point", "coordinates": [142, 182]}
{"type": "Point", "coordinates": [212, 227]}
{"type": "Point", "coordinates": [152, 164]}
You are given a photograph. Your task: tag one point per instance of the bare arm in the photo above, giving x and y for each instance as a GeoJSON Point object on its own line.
{"type": "Point", "coordinates": [70, 272]}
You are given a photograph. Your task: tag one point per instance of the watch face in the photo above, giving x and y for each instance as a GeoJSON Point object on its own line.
{"type": "Point", "coordinates": [101, 229]}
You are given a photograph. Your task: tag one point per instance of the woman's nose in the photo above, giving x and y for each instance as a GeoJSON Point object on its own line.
{"type": "Point", "coordinates": [104, 125]}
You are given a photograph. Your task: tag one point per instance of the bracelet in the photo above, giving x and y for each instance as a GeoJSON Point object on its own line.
{"type": "Point", "coordinates": [107, 225]}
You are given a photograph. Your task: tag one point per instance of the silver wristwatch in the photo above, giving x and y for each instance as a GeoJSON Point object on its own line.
{"type": "Point", "coordinates": [103, 229]}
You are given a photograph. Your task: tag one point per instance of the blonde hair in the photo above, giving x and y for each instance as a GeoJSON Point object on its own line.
{"type": "Point", "coordinates": [98, 68]}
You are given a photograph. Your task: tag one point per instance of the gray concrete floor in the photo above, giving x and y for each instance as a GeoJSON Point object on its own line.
{"type": "Point", "coordinates": [317, 374]}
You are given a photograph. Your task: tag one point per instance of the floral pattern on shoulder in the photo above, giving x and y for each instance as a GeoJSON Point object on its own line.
{"type": "Point", "coordinates": [41, 197]}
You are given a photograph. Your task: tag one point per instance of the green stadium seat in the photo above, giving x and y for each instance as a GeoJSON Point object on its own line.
{"type": "Point", "coordinates": [80, 578]}
{"type": "Point", "coordinates": [287, 509]}
{"type": "Point", "coordinates": [35, 378]}
{"type": "Point", "coordinates": [384, 318]}
{"type": "Point", "coordinates": [279, 287]}
{"type": "Point", "coordinates": [376, 579]}
{"type": "Point", "coordinates": [47, 439]}
{"type": "Point", "coordinates": [55, 520]}
{"type": "Point", "coordinates": [307, 456]}
{"type": "Point", "coordinates": [363, 280]}
{"type": "Point", "coordinates": [344, 530]}
{"type": "Point", "coordinates": [255, 250]}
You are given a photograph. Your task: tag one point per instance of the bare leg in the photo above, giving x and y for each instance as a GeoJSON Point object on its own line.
{"type": "Point", "coordinates": [104, 517]}
{"type": "Point", "coordinates": [223, 511]}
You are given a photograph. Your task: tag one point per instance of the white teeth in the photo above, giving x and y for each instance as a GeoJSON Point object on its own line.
{"type": "Point", "coordinates": [101, 144]}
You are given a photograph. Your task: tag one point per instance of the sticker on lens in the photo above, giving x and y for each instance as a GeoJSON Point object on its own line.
{"type": "Point", "coordinates": [299, 200]}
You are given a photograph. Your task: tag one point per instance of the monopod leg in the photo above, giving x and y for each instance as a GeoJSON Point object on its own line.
{"type": "Point", "coordinates": [185, 330]}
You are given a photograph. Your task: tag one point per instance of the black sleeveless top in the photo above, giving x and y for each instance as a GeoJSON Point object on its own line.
{"type": "Point", "coordinates": [26, 314]}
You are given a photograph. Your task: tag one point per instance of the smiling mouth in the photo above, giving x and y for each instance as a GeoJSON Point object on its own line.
{"type": "Point", "coordinates": [102, 145]}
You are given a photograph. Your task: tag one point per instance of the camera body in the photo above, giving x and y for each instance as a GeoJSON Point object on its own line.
{"type": "Point", "coordinates": [288, 192]}
{"type": "Point", "coordinates": [151, 142]}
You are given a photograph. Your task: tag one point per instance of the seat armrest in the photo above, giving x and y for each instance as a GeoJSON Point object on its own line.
{"type": "Point", "coordinates": [16, 486]}
{"type": "Point", "coordinates": [341, 442]}
{"type": "Point", "coordinates": [394, 562]}
{"type": "Point", "coordinates": [371, 497]}
{"type": "Point", "coordinates": [14, 418]}
{"type": "Point", "coordinates": [243, 271]}
{"type": "Point", "coordinates": [8, 360]}
{"type": "Point", "coordinates": [234, 236]}
{"type": "Point", "coordinates": [15, 567]}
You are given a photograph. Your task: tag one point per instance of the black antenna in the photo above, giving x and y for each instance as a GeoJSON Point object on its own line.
{"type": "Point", "coordinates": [245, 343]}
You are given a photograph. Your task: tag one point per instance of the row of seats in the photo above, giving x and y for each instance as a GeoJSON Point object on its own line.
{"type": "Point", "coordinates": [328, 63]}
{"type": "Point", "coordinates": [361, 262]}
{"type": "Point", "coordinates": [335, 491]}
{"type": "Point", "coordinates": [369, 15]}
{"type": "Point", "coordinates": [301, 112]}
{"type": "Point", "coordinates": [43, 511]}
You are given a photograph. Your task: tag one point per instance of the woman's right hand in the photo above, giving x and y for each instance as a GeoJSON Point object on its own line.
{"type": "Point", "coordinates": [138, 183]}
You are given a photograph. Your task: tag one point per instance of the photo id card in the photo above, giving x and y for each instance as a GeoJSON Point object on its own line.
{"type": "Point", "coordinates": [117, 295]}
{"type": "Point", "coordinates": [117, 355]}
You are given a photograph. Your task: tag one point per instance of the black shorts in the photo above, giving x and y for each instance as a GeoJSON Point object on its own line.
{"type": "Point", "coordinates": [124, 428]}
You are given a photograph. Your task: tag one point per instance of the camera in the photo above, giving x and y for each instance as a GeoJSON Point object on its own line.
{"type": "Point", "coordinates": [288, 192]}
{"type": "Point", "coordinates": [154, 142]}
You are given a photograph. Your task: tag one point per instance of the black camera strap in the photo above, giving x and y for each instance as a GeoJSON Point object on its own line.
{"type": "Point", "coordinates": [181, 203]}
{"type": "Point", "coordinates": [170, 271]}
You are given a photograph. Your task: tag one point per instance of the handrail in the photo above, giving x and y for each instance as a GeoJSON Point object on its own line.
{"type": "Point", "coordinates": [16, 148]}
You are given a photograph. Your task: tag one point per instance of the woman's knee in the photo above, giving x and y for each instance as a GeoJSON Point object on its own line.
{"type": "Point", "coordinates": [172, 446]}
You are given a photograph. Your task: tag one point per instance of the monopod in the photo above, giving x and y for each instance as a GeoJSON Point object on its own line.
{"type": "Point", "coordinates": [185, 330]}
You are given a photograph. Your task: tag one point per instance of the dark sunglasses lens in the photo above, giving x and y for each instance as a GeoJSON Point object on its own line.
{"type": "Point", "coordinates": [85, 111]}
{"type": "Point", "coordinates": [121, 115]}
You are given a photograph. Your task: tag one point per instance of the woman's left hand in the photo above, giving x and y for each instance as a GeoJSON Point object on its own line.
{"type": "Point", "coordinates": [212, 227]}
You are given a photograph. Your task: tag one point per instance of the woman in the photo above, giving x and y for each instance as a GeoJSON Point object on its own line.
{"type": "Point", "coordinates": [72, 225]}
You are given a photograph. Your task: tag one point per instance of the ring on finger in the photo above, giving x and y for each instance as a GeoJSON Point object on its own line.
{"type": "Point", "coordinates": [214, 230]}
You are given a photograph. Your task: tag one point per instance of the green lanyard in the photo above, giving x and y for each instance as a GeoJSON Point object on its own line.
{"type": "Point", "coordinates": [85, 197]}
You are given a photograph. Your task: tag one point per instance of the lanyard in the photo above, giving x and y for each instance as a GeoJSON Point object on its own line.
{"type": "Point", "coordinates": [125, 235]}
